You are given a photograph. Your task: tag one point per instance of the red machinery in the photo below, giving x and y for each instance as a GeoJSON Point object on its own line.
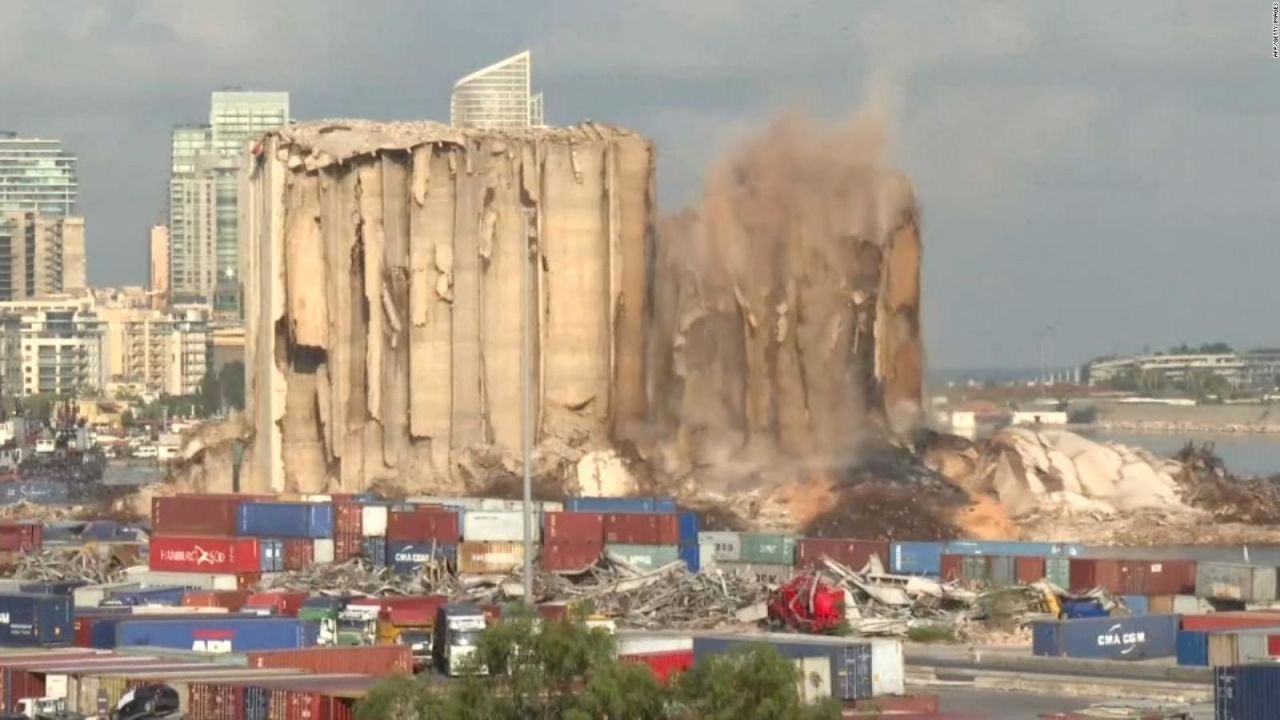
{"type": "Point", "coordinates": [808, 605]}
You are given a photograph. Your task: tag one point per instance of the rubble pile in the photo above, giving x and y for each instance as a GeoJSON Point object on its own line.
{"type": "Point", "coordinates": [1207, 484]}
{"type": "Point", "coordinates": [90, 564]}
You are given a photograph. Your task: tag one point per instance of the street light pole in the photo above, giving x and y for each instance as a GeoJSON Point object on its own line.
{"type": "Point", "coordinates": [526, 399]}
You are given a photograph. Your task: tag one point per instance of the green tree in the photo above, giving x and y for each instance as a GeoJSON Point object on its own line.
{"type": "Point", "coordinates": [757, 683]}
{"type": "Point", "coordinates": [231, 377]}
{"type": "Point", "coordinates": [398, 698]}
{"type": "Point", "coordinates": [210, 395]}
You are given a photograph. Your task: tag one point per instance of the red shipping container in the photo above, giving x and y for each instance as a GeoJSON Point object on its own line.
{"type": "Point", "coordinates": [21, 537]}
{"type": "Point", "coordinates": [1087, 574]}
{"type": "Point", "coordinates": [853, 554]}
{"type": "Point", "coordinates": [232, 600]}
{"type": "Point", "coordinates": [573, 526]}
{"type": "Point", "coordinates": [663, 665]}
{"type": "Point", "coordinates": [1028, 570]}
{"type": "Point", "coordinates": [348, 530]}
{"type": "Point", "coordinates": [214, 515]}
{"type": "Point", "coordinates": [641, 529]}
{"type": "Point", "coordinates": [424, 524]}
{"type": "Point", "coordinates": [570, 557]}
{"type": "Point", "coordinates": [284, 604]}
{"type": "Point", "coordinates": [1169, 577]}
{"type": "Point", "coordinates": [553, 612]}
{"type": "Point", "coordinates": [952, 568]}
{"type": "Point", "coordinates": [413, 610]}
{"type": "Point", "coordinates": [216, 701]}
{"type": "Point", "coordinates": [205, 554]}
{"type": "Point", "coordinates": [82, 630]}
{"type": "Point", "coordinates": [22, 684]}
{"type": "Point", "coordinates": [376, 660]}
{"type": "Point", "coordinates": [1230, 621]}
{"type": "Point", "coordinates": [299, 554]}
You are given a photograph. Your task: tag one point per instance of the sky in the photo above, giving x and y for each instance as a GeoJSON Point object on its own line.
{"type": "Point", "coordinates": [1095, 176]}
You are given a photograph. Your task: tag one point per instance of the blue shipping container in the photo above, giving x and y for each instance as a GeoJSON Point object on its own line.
{"type": "Point", "coordinates": [218, 635]}
{"type": "Point", "coordinates": [691, 556]}
{"type": "Point", "coordinates": [1073, 609]}
{"type": "Point", "coordinates": [916, 558]}
{"type": "Point", "coordinates": [1137, 604]}
{"type": "Point", "coordinates": [271, 555]}
{"type": "Point", "coordinates": [285, 520]}
{"type": "Point", "coordinates": [851, 670]}
{"type": "Point", "coordinates": [36, 492]}
{"type": "Point", "coordinates": [1193, 648]}
{"type": "Point", "coordinates": [63, 587]}
{"type": "Point", "coordinates": [405, 558]}
{"type": "Point", "coordinates": [1246, 692]}
{"type": "Point", "coordinates": [1000, 547]}
{"type": "Point", "coordinates": [620, 505]}
{"type": "Point", "coordinates": [1128, 638]}
{"type": "Point", "coordinates": [690, 525]}
{"type": "Point", "coordinates": [374, 549]}
{"type": "Point", "coordinates": [170, 596]}
{"type": "Point", "coordinates": [36, 620]}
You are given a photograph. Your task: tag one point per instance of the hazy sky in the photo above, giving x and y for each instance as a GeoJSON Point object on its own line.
{"type": "Point", "coordinates": [1108, 168]}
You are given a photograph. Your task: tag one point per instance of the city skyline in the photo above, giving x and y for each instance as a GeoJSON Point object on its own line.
{"type": "Point", "coordinates": [1107, 184]}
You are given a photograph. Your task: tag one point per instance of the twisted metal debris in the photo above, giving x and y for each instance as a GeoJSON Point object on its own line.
{"type": "Point", "coordinates": [92, 564]}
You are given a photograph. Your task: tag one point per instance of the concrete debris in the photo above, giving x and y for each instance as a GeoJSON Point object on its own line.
{"type": "Point", "coordinates": [93, 564]}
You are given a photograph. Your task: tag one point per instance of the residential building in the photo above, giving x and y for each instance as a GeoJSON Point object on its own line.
{"type": "Point", "coordinates": [149, 351]}
{"type": "Point", "coordinates": [204, 186]}
{"type": "Point", "coordinates": [50, 347]}
{"type": "Point", "coordinates": [36, 176]}
{"type": "Point", "coordinates": [41, 255]}
{"type": "Point", "coordinates": [499, 96]}
{"type": "Point", "coordinates": [158, 276]}
{"type": "Point", "coordinates": [1255, 369]}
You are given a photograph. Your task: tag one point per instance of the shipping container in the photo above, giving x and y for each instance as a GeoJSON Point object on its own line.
{"type": "Point", "coordinates": [1161, 605]}
{"type": "Point", "coordinates": [952, 568]}
{"type": "Point", "coordinates": [21, 536]}
{"type": "Point", "coordinates": [35, 620]}
{"type": "Point", "coordinates": [215, 701]}
{"type": "Point", "coordinates": [231, 600]}
{"type": "Point", "coordinates": [167, 596]}
{"type": "Point", "coordinates": [375, 551]}
{"type": "Point", "coordinates": [322, 551]}
{"type": "Point", "coordinates": [772, 573]}
{"type": "Point", "coordinates": [375, 660]}
{"type": "Point", "coordinates": [1169, 577]}
{"type": "Point", "coordinates": [205, 555]}
{"type": "Point", "coordinates": [36, 492]}
{"type": "Point", "coordinates": [849, 660]}
{"type": "Point", "coordinates": [1246, 692]}
{"type": "Point", "coordinates": [348, 534]}
{"type": "Point", "coordinates": [299, 554]}
{"type": "Point", "coordinates": [571, 556]}
{"type": "Point", "coordinates": [218, 635]}
{"type": "Point", "coordinates": [270, 555]}
{"type": "Point", "coordinates": [424, 524]}
{"type": "Point", "coordinates": [888, 667]}
{"type": "Point", "coordinates": [664, 666]}
{"type": "Point", "coordinates": [916, 558]}
{"type": "Point", "coordinates": [1193, 648]}
{"type": "Point", "coordinates": [93, 595]}
{"type": "Point", "coordinates": [853, 554]}
{"type": "Point", "coordinates": [490, 558]}
{"type": "Point", "coordinates": [407, 558]}
{"type": "Point", "coordinates": [56, 587]}
{"type": "Point", "coordinates": [769, 548]}
{"type": "Point", "coordinates": [496, 526]}
{"type": "Point", "coordinates": [1138, 605]}
{"type": "Point", "coordinates": [193, 580]}
{"type": "Point", "coordinates": [641, 529]}
{"type": "Point", "coordinates": [1212, 622]}
{"type": "Point", "coordinates": [1127, 638]}
{"type": "Point", "coordinates": [1029, 569]}
{"type": "Point", "coordinates": [632, 642]}
{"type": "Point", "coordinates": [573, 527]}
{"type": "Point", "coordinates": [1191, 605]}
{"type": "Point", "coordinates": [285, 520]}
{"type": "Point", "coordinates": [373, 520]}
{"type": "Point", "coordinates": [1233, 581]}
{"type": "Point", "coordinates": [1237, 647]}
{"type": "Point", "coordinates": [283, 604]}
{"type": "Point", "coordinates": [690, 554]}
{"type": "Point", "coordinates": [690, 526]}
{"type": "Point", "coordinates": [620, 505]}
{"type": "Point", "coordinates": [196, 514]}
{"type": "Point", "coordinates": [719, 547]}
{"type": "Point", "coordinates": [1001, 547]}
{"type": "Point", "coordinates": [1057, 570]}
{"type": "Point", "coordinates": [1001, 571]}
{"type": "Point", "coordinates": [644, 557]}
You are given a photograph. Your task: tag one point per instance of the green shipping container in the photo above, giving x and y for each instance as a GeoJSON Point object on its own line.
{"type": "Point", "coordinates": [1057, 570]}
{"type": "Point", "coordinates": [645, 557]}
{"type": "Point", "coordinates": [975, 567]}
{"type": "Point", "coordinates": [768, 549]}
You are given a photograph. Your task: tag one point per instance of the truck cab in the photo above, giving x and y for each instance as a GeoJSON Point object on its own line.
{"type": "Point", "coordinates": [457, 633]}
{"type": "Point", "coordinates": [358, 622]}
{"type": "Point", "coordinates": [324, 611]}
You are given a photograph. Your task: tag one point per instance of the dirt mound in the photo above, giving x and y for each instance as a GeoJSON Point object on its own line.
{"type": "Point", "coordinates": [1208, 484]}
{"type": "Point", "coordinates": [886, 511]}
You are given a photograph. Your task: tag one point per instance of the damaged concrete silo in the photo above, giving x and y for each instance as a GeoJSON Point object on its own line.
{"type": "Point", "coordinates": [787, 306]}
{"type": "Point", "coordinates": [382, 270]}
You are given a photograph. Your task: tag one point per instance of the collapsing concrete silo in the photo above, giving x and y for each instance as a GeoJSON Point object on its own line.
{"type": "Point", "coordinates": [787, 306]}
{"type": "Point", "coordinates": [383, 273]}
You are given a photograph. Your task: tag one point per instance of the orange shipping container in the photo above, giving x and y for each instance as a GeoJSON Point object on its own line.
{"type": "Point", "coordinates": [1030, 569]}
{"type": "Point", "coordinates": [232, 600]}
{"type": "Point", "coordinates": [376, 660]}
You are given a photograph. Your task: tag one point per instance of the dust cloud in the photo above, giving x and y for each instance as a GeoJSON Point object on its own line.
{"type": "Point", "coordinates": [786, 306]}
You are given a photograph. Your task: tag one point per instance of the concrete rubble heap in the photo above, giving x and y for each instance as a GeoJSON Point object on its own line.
{"type": "Point", "coordinates": [383, 277]}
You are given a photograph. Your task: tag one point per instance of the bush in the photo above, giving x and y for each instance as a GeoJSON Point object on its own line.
{"type": "Point", "coordinates": [933, 634]}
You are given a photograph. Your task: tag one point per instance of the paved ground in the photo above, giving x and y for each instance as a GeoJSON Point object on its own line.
{"type": "Point", "coordinates": [1017, 706]}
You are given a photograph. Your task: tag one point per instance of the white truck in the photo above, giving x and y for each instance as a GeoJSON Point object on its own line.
{"type": "Point", "coordinates": [457, 629]}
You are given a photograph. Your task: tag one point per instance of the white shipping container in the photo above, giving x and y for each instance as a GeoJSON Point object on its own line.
{"type": "Point", "coordinates": [176, 610]}
{"type": "Point", "coordinates": [651, 644]}
{"type": "Point", "coordinates": [93, 595]}
{"type": "Point", "coordinates": [322, 552]}
{"type": "Point", "coordinates": [1191, 605]}
{"type": "Point", "coordinates": [888, 674]}
{"type": "Point", "coordinates": [490, 558]}
{"type": "Point", "coordinates": [373, 519]}
{"type": "Point", "coordinates": [317, 498]}
{"type": "Point", "coordinates": [815, 679]}
{"type": "Point", "coordinates": [467, 503]}
{"type": "Point", "coordinates": [496, 526]}
{"type": "Point", "coordinates": [158, 578]}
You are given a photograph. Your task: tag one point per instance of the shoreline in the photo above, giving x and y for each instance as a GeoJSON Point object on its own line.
{"type": "Point", "coordinates": [1175, 427]}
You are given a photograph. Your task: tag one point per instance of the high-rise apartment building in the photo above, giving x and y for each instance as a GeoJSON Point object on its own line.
{"type": "Point", "coordinates": [204, 219]}
{"type": "Point", "coordinates": [499, 96]}
{"type": "Point", "coordinates": [158, 265]}
{"type": "Point", "coordinates": [36, 176]}
{"type": "Point", "coordinates": [50, 347]}
{"type": "Point", "coordinates": [41, 256]}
